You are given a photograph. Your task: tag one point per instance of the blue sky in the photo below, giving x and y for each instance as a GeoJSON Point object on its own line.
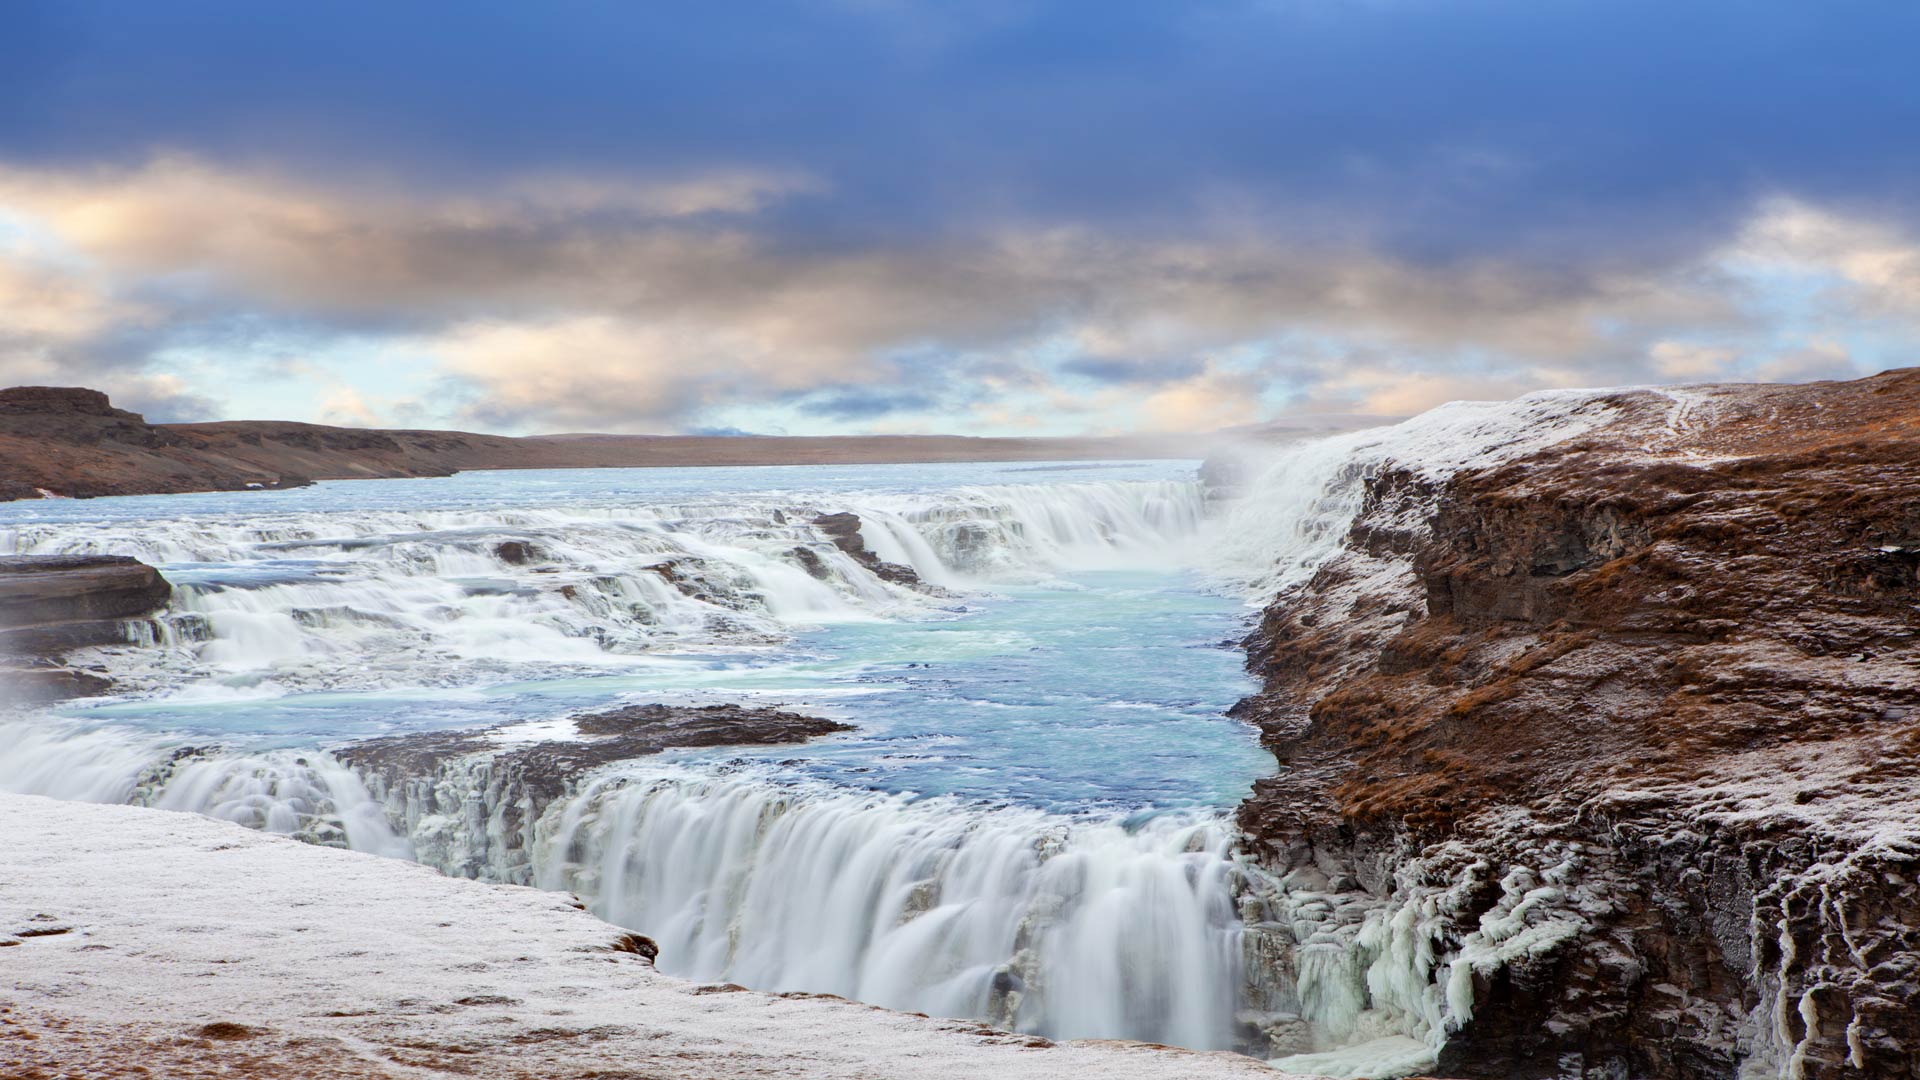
{"type": "Point", "coordinates": [989, 218]}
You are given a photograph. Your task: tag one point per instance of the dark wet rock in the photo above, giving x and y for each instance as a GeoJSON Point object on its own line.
{"type": "Point", "coordinates": [518, 552]}
{"type": "Point", "coordinates": [1680, 662]}
{"type": "Point", "coordinates": [811, 562]}
{"type": "Point", "coordinates": [545, 768]}
{"type": "Point", "coordinates": [228, 1031]}
{"type": "Point", "coordinates": [705, 725]}
{"type": "Point", "coordinates": [844, 530]}
{"type": "Point", "coordinates": [637, 945]}
{"type": "Point", "coordinates": [43, 589]}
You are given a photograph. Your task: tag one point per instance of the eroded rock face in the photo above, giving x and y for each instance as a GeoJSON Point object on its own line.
{"type": "Point", "coordinates": [1668, 670]}
{"type": "Point", "coordinates": [37, 590]}
{"type": "Point", "coordinates": [60, 401]}
{"type": "Point", "coordinates": [51, 605]}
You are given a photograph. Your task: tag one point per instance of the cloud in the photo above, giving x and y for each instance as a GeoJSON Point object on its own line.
{"type": "Point", "coordinates": [263, 237]}
{"type": "Point", "coordinates": [1819, 359]}
{"type": "Point", "coordinates": [1404, 393]}
{"type": "Point", "coordinates": [855, 403]}
{"type": "Point", "coordinates": [583, 301]}
{"type": "Point", "coordinates": [1104, 369]}
{"type": "Point", "coordinates": [1874, 265]}
{"type": "Point", "coordinates": [1213, 399]}
{"type": "Point", "coordinates": [348, 407]}
{"type": "Point", "coordinates": [1683, 361]}
{"type": "Point", "coordinates": [162, 399]}
{"type": "Point", "coordinates": [50, 313]}
{"type": "Point", "coordinates": [596, 371]}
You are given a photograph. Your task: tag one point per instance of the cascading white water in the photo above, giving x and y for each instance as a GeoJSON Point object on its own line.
{"type": "Point", "coordinates": [1062, 925]}
{"type": "Point", "coordinates": [429, 596]}
{"type": "Point", "coordinates": [990, 532]}
{"type": "Point", "coordinates": [306, 794]}
{"type": "Point", "coordinates": [1296, 513]}
{"type": "Point", "coordinates": [1071, 928]}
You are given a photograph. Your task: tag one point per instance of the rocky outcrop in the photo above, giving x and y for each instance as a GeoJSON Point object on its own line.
{"type": "Point", "coordinates": [470, 799]}
{"type": "Point", "coordinates": [543, 769]}
{"type": "Point", "coordinates": [844, 530]}
{"type": "Point", "coordinates": [1648, 704]}
{"type": "Point", "coordinates": [51, 605]}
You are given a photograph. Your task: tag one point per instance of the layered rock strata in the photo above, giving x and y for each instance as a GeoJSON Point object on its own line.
{"type": "Point", "coordinates": [51, 605]}
{"type": "Point", "coordinates": [1605, 761]}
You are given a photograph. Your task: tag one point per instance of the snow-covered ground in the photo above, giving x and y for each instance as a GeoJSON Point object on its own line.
{"type": "Point", "coordinates": [189, 947]}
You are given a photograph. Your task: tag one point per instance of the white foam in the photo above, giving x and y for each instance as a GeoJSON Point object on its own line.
{"type": "Point", "coordinates": [366, 599]}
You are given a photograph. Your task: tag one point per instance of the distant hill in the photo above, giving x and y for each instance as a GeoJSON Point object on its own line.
{"type": "Point", "coordinates": [72, 442]}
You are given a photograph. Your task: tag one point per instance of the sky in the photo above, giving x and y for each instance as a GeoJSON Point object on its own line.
{"type": "Point", "coordinates": [986, 217]}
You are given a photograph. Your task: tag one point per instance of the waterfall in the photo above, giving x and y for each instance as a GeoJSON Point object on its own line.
{"type": "Point", "coordinates": [1106, 923]}
{"type": "Point", "coordinates": [1068, 928]}
{"type": "Point", "coordinates": [309, 795]}
{"type": "Point", "coordinates": [1295, 515]}
{"type": "Point", "coordinates": [1062, 924]}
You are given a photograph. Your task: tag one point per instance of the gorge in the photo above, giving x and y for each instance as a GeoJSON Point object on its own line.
{"type": "Point", "coordinates": [1595, 717]}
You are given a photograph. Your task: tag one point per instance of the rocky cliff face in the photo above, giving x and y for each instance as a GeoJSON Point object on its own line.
{"type": "Point", "coordinates": [1608, 755]}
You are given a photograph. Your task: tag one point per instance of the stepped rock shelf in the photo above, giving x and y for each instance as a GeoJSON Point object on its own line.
{"type": "Point", "coordinates": [51, 605]}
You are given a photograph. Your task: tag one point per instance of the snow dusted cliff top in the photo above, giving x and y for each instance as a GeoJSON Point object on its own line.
{"type": "Point", "coordinates": [194, 947]}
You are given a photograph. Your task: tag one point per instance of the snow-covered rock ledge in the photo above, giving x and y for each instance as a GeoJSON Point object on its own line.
{"type": "Point", "coordinates": [196, 947]}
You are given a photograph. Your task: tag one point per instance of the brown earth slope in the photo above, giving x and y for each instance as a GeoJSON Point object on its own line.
{"type": "Point", "coordinates": [1676, 660]}
{"type": "Point", "coordinates": [73, 442]}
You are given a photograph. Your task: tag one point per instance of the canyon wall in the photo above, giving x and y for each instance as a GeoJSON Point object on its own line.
{"type": "Point", "coordinates": [1605, 757]}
